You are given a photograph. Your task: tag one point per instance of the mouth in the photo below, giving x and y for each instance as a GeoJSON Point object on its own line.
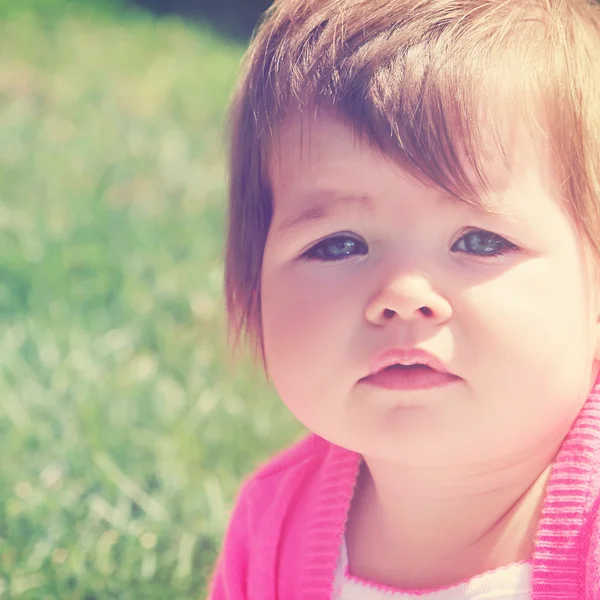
{"type": "Point", "coordinates": [408, 377]}
{"type": "Point", "coordinates": [406, 359]}
{"type": "Point", "coordinates": [404, 369]}
{"type": "Point", "coordinates": [400, 368]}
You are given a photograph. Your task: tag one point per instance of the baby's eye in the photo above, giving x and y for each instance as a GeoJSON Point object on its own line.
{"type": "Point", "coordinates": [483, 243]}
{"type": "Point", "coordinates": [336, 248]}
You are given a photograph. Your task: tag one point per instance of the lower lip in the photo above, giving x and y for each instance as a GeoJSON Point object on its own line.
{"type": "Point", "coordinates": [415, 378]}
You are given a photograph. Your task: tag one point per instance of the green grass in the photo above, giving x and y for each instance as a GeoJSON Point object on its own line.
{"type": "Point", "coordinates": [124, 432]}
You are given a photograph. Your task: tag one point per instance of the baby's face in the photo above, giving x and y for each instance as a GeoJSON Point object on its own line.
{"type": "Point", "coordinates": [362, 258]}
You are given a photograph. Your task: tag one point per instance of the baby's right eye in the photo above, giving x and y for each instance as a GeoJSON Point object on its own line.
{"type": "Point", "coordinates": [335, 248]}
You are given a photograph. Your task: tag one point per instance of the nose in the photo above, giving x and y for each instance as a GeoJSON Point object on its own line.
{"type": "Point", "coordinates": [409, 298]}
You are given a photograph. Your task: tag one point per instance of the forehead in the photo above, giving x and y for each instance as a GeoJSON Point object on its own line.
{"type": "Point", "coordinates": [325, 151]}
{"type": "Point", "coordinates": [307, 150]}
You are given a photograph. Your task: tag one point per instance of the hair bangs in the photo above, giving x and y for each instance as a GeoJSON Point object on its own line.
{"type": "Point", "coordinates": [431, 95]}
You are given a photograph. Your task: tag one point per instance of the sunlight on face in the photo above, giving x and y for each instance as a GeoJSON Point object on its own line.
{"type": "Point", "coordinates": [360, 257]}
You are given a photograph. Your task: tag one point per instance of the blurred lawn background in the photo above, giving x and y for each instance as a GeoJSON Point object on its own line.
{"type": "Point", "coordinates": [124, 432]}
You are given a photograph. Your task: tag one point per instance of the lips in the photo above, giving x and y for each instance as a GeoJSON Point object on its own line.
{"type": "Point", "coordinates": [406, 358]}
{"type": "Point", "coordinates": [411, 369]}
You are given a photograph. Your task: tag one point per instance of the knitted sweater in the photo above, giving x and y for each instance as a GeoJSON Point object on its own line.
{"type": "Point", "coordinates": [287, 527]}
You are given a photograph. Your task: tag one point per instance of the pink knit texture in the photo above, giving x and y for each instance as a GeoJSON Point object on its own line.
{"type": "Point", "coordinates": [285, 534]}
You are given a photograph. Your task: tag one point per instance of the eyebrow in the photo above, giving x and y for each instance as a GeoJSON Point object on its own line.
{"type": "Point", "coordinates": [323, 204]}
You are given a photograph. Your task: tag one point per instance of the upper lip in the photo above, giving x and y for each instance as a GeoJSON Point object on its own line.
{"type": "Point", "coordinates": [405, 356]}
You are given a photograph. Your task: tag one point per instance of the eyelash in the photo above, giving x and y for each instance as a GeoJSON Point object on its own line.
{"type": "Point", "coordinates": [488, 236]}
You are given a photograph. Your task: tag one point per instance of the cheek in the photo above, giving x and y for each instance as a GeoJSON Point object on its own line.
{"type": "Point", "coordinates": [308, 323]}
{"type": "Point", "coordinates": [290, 311]}
{"type": "Point", "coordinates": [536, 319]}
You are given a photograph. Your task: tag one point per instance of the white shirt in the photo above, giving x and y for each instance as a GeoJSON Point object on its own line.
{"type": "Point", "coordinates": [512, 582]}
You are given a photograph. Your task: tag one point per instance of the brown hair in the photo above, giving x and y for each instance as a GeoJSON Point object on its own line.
{"type": "Point", "coordinates": [413, 78]}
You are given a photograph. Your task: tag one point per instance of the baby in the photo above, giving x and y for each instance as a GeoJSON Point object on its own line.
{"type": "Point", "coordinates": [413, 254]}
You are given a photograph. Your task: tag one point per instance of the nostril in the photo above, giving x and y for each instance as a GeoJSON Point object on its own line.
{"type": "Point", "coordinates": [426, 311]}
{"type": "Point", "coordinates": [388, 313]}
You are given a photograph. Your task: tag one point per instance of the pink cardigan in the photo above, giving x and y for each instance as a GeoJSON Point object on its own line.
{"type": "Point", "coordinates": [287, 527]}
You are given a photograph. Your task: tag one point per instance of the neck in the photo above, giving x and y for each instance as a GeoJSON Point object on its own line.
{"type": "Point", "coordinates": [434, 527]}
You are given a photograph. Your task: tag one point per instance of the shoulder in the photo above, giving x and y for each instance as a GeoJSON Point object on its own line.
{"type": "Point", "coordinates": [310, 481]}
{"type": "Point", "coordinates": [296, 479]}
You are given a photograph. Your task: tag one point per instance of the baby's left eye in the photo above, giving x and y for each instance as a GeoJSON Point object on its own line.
{"type": "Point", "coordinates": [483, 243]}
